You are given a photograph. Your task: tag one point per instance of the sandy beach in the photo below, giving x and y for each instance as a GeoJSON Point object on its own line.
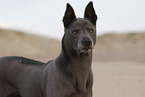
{"type": "Point", "coordinates": [119, 79]}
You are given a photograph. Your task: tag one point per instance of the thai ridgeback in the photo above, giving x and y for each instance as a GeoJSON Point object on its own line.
{"type": "Point", "coordinates": [68, 75]}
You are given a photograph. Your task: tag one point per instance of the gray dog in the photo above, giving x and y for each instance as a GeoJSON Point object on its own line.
{"type": "Point", "coordinates": [68, 75]}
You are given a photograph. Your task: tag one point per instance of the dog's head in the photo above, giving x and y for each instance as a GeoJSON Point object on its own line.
{"type": "Point", "coordinates": [80, 33]}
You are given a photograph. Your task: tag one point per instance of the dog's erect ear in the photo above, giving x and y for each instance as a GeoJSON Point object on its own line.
{"type": "Point", "coordinates": [69, 16]}
{"type": "Point", "coordinates": [90, 13]}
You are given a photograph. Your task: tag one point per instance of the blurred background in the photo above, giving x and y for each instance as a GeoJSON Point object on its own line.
{"type": "Point", "coordinates": [34, 28]}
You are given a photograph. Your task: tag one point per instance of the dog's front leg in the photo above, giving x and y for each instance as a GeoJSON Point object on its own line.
{"type": "Point", "coordinates": [89, 84]}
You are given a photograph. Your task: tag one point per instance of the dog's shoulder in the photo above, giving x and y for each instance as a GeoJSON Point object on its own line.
{"type": "Point", "coordinates": [22, 60]}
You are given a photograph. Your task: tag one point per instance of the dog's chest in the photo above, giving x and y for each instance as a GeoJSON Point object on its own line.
{"type": "Point", "coordinates": [79, 92]}
{"type": "Point", "coordinates": [74, 91]}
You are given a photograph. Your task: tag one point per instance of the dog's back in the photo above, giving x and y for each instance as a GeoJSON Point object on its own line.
{"type": "Point", "coordinates": [14, 64]}
{"type": "Point", "coordinates": [12, 69]}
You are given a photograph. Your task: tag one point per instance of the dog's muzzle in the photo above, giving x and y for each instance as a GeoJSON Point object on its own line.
{"type": "Point", "coordinates": [86, 47]}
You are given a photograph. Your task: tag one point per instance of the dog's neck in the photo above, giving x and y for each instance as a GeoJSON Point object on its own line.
{"type": "Point", "coordinates": [77, 67]}
{"type": "Point", "coordinates": [75, 63]}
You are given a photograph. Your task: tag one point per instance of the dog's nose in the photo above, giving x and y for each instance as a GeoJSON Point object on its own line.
{"type": "Point", "coordinates": [86, 42]}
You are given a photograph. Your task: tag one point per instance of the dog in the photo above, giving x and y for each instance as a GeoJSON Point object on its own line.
{"type": "Point", "coordinates": [68, 75]}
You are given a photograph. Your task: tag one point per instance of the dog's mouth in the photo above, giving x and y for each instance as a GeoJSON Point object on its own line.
{"type": "Point", "coordinates": [85, 51]}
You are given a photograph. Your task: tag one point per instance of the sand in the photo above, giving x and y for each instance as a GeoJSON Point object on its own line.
{"type": "Point", "coordinates": [119, 79]}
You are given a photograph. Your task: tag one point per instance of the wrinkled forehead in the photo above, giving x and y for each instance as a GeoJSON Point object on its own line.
{"type": "Point", "coordinates": [81, 22]}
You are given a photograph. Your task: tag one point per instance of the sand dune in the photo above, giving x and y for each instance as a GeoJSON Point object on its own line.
{"type": "Point", "coordinates": [15, 43]}
{"type": "Point", "coordinates": [111, 47]}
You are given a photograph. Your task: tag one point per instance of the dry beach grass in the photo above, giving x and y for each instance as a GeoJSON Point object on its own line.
{"type": "Point", "coordinates": [118, 62]}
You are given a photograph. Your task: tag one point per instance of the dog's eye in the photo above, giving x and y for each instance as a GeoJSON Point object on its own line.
{"type": "Point", "coordinates": [75, 31]}
{"type": "Point", "coordinates": [91, 30]}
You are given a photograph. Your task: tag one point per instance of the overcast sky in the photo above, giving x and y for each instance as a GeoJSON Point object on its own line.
{"type": "Point", "coordinates": [44, 17]}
